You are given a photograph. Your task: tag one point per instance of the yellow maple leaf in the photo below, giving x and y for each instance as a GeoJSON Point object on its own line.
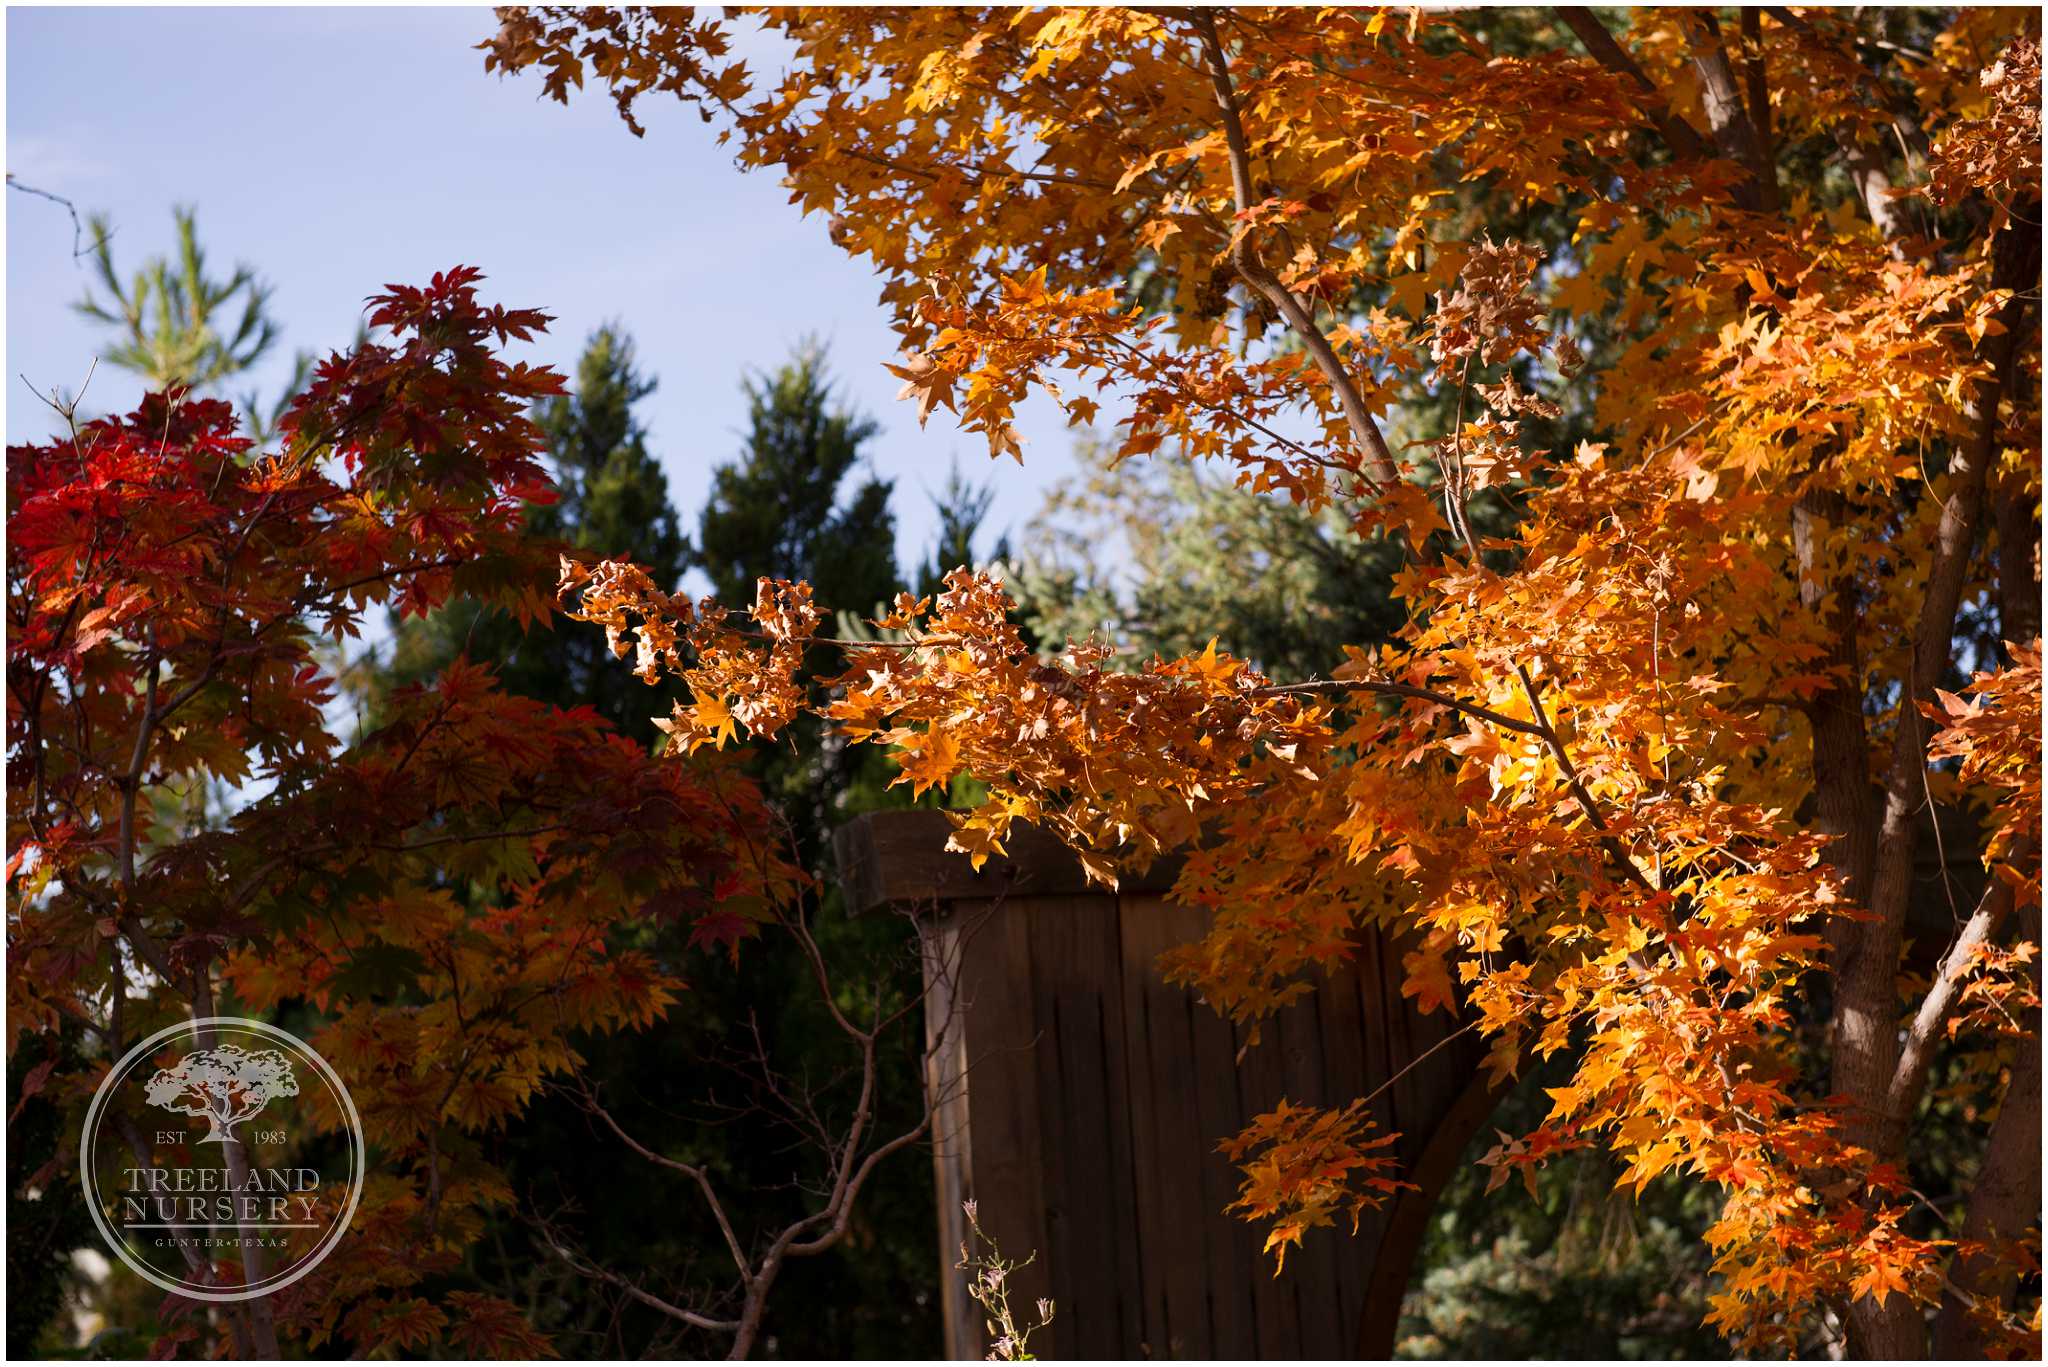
{"type": "Point", "coordinates": [929, 758]}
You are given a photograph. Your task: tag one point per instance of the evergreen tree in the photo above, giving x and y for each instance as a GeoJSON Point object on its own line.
{"type": "Point", "coordinates": [962, 507]}
{"type": "Point", "coordinates": [173, 320]}
{"type": "Point", "coordinates": [611, 492]}
{"type": "Point", "coordinates": [174, 315]}
{"type": "Point", "coordinates": [783, 509]}
{"type": "Point", "coordinates": [797, 505]}
{"type": "Point", "coordinates": [1160, 558]}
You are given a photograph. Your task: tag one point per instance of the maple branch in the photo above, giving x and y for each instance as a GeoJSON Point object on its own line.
{"type": "Point", "coordinates": [1193, 396]}
{"type": "Point", "coordinates": [1454, 504]}
{"type": "Point", "coordinates": [1904, 113]}
{"type": "Point", "coordinates": [690, 1170]}
{"type": "Point", "coordinates": [646, 1298]}
{"type": "Point", "coordinates": [1681, 137]}
{"type": "Point", "coordinates": [1734, 133]}
{"type": "Point", "coordinates": [1923, 1037]}
{"type": "Point", "coordinates": [2017, 263]}
{"type": "Point", "coordinates": [1756, 79]}
{"type": "Point", "coordinates": [1467, 1028]}
{"type": "Point", "coordinates": [2004, 1201]}
{"type": "Point", "coordinates": [292, 612]}
{"type": "Point", "coordinates": [1394, 690]}
{"type": "Point", "coordinates": [1245, 257]}
{"type": "Point", "coordinates": [1865, 164]}
{"type": "Point", "coordinates": [130, 785]}
{"type": "Point", "coordinates": [130, 782]}
{"type": "Point", "coordinates": [975, 172]}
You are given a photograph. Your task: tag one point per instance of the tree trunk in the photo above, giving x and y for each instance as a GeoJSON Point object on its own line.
{"type": "Point", "coordinates": [1841, 745]}
{"type": "Point", "coordinates": [1866, 1013]}
{"type": "Point", "coordinates": [2004, 1201]}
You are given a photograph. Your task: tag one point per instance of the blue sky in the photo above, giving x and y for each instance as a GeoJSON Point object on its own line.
{"type": "Point", "coordinates": [337, 149]}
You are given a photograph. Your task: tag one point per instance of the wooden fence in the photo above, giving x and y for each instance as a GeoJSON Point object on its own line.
{"type": "Point", "coordinates": [1083, 1098]}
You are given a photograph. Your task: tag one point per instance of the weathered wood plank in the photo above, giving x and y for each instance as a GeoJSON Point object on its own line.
{"type": "Point", "coordinates": [1093, 1097]}
{"type": "Point", "coordinates": [901, 857]}
{"type": "Point", "coordinates": [1046, 923]}
{"type": "Point", "coordinates": [1148, 1292]}
{"type": "Point", "coordinates": [1073, 948]}
{"type": "Point", "coordinates": [1182, 1257]}
{"type": "Point", "coordinates": [1261, 1084]}
{"type": "Point", "coordinates": [1002, 1085]}
{"type": "Point", "coordinates": [1315, 1279]}
{"type": "Point", "coordinates": [1105, 956]}
{"type": "Point", "coordinates": [1233, 1244]}
{"type": "Point", "coordinates": [1343, 1036]}
{"type": "Point", "coordinates": [952, 1139]}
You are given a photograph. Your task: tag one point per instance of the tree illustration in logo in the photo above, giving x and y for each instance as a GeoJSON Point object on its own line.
{"type": "Point", "coordinates": [227, 1085]}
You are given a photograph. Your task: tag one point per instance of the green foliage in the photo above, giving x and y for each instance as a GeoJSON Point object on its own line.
{"type": "Point", "coordinates": [611, 492]}
{"type": "Point", "coordinates": [962, 507]}
{"type": "Point", "coordinates": [173, 321]}
{"type": "Point", "coordinates": [784, 508]}
{"type": "Point", "coordinates": [1162, 556]}
{"type": "Point", "coordinates": [175, 316]}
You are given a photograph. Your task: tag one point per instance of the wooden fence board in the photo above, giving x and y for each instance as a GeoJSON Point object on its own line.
{"type": "Point", "coordinates": [1343, 1035]}
{"type": "Point", "coordinates": [1262, 1083]}
{"type": "Point", "coordinates": [1094, 1095]}
{"type": "Point", "coordinates": [1147, 1180]}
{"type": "Point", "coordinates": [1176, 1258]}
{"type": "Point", "coordinates": [1084, 1124]}
{"type": "Point", "coordinates": [952, 1138]}
{"type": "Point", "coordinates": [1316, 1292]}
{"type": "Point", "coordinates": [1234, 1263]}
{"type": "Point", "coordinates": [1002, 1084]}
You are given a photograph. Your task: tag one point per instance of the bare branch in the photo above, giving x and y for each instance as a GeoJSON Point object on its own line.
{"type": "Point", "coordinates": [1394, 690]}
{"type": "Point", "coordinates": [1923, 1038]}
{"type": "Point", "coordinates": [79, 247]}
{"type": "Point", "coordinates": [696, 1174]}
{"type": "Point", "coordinates": [849, 1152]}
{"type": "Point", "coordinates": [645, 1297]}
{"type": "Point", "coordinates": [1681, 137]}
{"type": "Point", "coordinates": [1244, 255]}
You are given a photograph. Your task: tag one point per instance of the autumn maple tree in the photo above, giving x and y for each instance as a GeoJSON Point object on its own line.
{"type": "Point", "coordinates": [444, 896]}
{"type": "Point", "coordinates": [1647, 779]}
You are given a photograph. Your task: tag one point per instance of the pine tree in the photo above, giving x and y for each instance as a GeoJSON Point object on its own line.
{"type": "Point", "coordinates": [962, 507]}
{"type": "Point", "coordinates": [173, 323]}
{"type": "Point", "coordinates": [797, 505]}
{"type": "Point", "coordinates": [779, 509]}
{"type": "Point", "coordinates": [611, 492]}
